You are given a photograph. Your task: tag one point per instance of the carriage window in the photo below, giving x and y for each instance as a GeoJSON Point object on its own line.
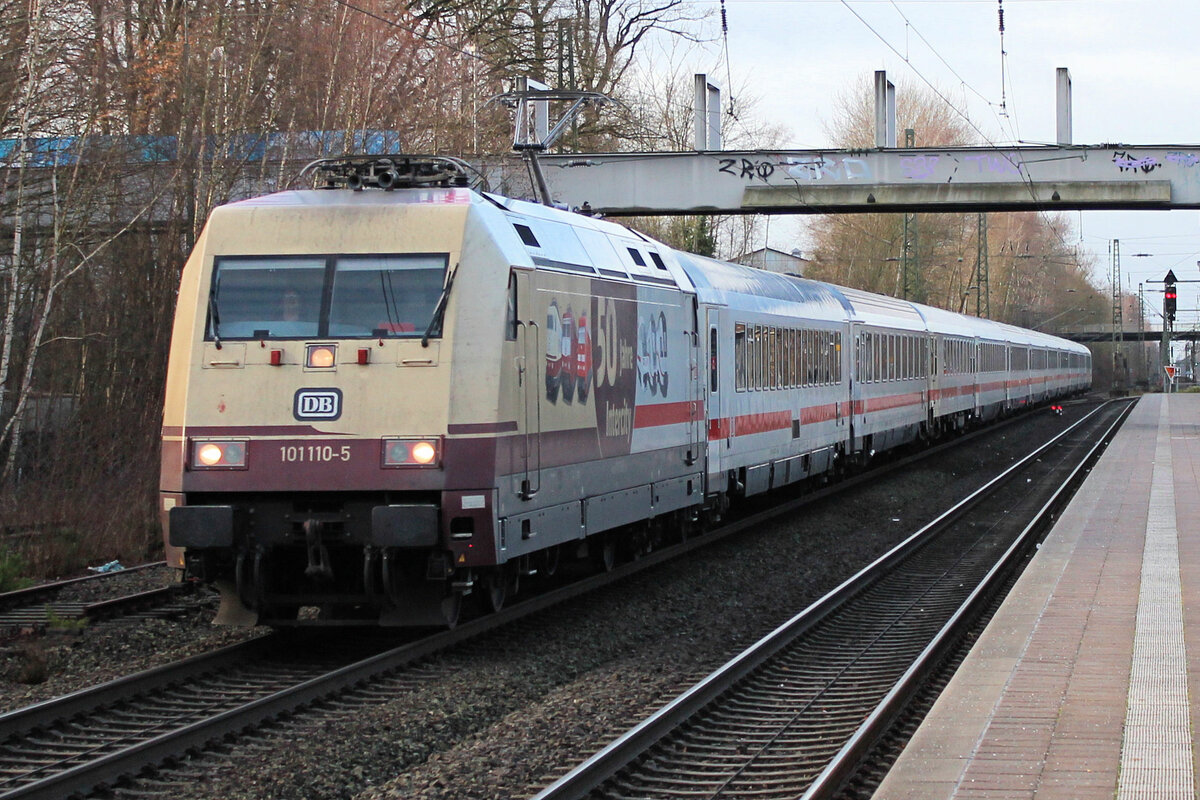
{"type": "Point", "coordinates": [266, 297]}
{"type": "Point", "coordinates": [510, 312]}
{"type": "Point", "coordinates": [385, 295]}
{"type": "Point", "coordinates": [712, 358]}
{"type": "Point", "coordinates": [835, 355]}
{"type": "Point", "coordinates": [739, 356]}
{"type": "Point", "coordinates": [788, 365]}
{"type": "Point", "coordinates": [806, 347]}
{"type": "Point", "coordinates": [772, 358]}
{"type": "Point", "coordinates": [760, 364]}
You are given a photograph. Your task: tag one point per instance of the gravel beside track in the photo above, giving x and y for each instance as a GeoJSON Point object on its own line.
{"type": "Point", "coordinates": [38, 666]}
{"type": "Point", "coordinates": [512, 713]}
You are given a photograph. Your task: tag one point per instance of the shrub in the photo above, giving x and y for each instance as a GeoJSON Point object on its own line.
{"type": "Point", "coordinates": [13, 571]}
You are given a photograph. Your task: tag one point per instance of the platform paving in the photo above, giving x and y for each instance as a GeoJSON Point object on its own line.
{"type": "Point", "coordinates": [1085, 683]}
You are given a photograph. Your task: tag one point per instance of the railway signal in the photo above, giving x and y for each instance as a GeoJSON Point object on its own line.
{"type": "Point", "coordinates": [1169, 296]}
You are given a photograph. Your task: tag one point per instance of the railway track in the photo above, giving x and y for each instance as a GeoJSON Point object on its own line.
{"type": "Point", "coordinates": [794, 715]}
{"type": "Point", "coordinates": [37, 606]}
{"type": "Point", "coordinates": [100, 737]}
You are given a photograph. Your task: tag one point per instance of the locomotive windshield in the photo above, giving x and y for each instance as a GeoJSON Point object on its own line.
{"type": "Point", "coordinates": [339, 296]}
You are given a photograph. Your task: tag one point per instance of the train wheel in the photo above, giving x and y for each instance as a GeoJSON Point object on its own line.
{"type": "Point", "coordinates": [640, 541]}
{"type": "Point", "coordinates": [250, 574]}
{"type": "Point", "coordinates": [497, 586]}
{"type": "Point", "coordinates": [551, 557]}
{"type": "Point", "coordinates": [604, 552]}
{"type": "Point", "coordinates": [452, 608]}
{"type": "Point", "coordinates": [689, 525]}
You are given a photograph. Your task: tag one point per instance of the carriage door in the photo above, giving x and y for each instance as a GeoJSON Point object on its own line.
{"type": "Point", "coordinates": [859, 357]}
{"type": "Point", "coordinates": [976, 359]}
{"type": "Point", "coordinates": [697, 388]}
{"type": "Point", "coordinates": [935, 379]}
{"type": "Point", "coordinates": [531, 343]}
{"type": "Point", "coordinates": [712, 428]}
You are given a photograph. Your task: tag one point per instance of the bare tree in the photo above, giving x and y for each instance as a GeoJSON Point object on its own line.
{"type": "Point", "coordinates": [1031, 268]}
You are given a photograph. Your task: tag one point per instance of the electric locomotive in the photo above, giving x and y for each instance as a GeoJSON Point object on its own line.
{"type": "Point", "coordinates": [392, 392]}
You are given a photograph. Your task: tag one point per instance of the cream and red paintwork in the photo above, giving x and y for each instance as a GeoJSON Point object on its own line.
{"type": "Point", "coordinates": [582, 386]}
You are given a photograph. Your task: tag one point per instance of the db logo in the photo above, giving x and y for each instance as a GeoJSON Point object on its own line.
{"type": "Point", "coordinates": [317, 404]}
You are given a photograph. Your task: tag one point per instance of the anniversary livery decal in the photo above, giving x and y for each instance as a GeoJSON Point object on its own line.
{"type": "Point", "coordinates": [613, 350]}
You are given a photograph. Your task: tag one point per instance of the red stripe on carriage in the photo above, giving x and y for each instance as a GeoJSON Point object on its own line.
{"type": "Point", "coordinates": [814, 414]}
{"type": "Point", "coordinates": [747, 424]}
{"type": "Point", "coordinates": [664, 414]}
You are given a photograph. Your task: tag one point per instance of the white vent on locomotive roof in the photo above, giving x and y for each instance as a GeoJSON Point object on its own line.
{"type": "Point", "coordinates": [556, 245]}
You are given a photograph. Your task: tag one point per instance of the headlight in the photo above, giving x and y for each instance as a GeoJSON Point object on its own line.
{"type": "Point", "coordinates": [320, 356]}
{"type": "Point", "coordinates": [411, 452]}
{"type": "Point", "coordinates": [219, 454]}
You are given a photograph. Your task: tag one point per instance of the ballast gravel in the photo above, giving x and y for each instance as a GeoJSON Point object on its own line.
{"type": "Point", "coordinates": [504, 717]}
{"type": "Point", "coordinates": [68, 656]}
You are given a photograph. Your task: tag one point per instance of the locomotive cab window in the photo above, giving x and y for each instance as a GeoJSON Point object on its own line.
{"type": "Point", "coordinates": [267, 297]}
{"type": "Point", "coordinates": [306, 297]}
{"type": "Point", "coordinates": [385, 295]}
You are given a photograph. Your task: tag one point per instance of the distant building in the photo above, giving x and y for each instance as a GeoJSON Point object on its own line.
{"type": "Point", "coordinates": [773, 260]}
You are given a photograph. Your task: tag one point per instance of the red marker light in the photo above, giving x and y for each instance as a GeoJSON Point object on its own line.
{"type": "Point", "coordinates": [364, 355]}
{"type": "Point", "coordinates": [276, 358]}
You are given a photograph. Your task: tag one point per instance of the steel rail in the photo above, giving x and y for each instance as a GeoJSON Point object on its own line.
{"type": "Point", "coordinates": [112, 767]}
{"type": "Point", "coordinates": [102, 609]}
{"type": "Point", "coordinates": [30, 594]}
{"type": "Point", "coordinates": [594, 771]}
{"type": "Point", "coordinates": [845, 762]}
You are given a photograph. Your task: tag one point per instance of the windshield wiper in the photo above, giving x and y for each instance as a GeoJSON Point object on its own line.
{"type": "Point", "coordinates": [439, 310]}
{"type": "Point", "coordinates": [215, 317]}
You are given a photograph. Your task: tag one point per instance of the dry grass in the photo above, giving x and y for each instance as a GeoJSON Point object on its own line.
{"type": "Point", "coordinates": [53, 530]}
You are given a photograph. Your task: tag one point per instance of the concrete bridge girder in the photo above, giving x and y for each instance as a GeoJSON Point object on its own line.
{"type": "Point", "coordinates": [841, 181]}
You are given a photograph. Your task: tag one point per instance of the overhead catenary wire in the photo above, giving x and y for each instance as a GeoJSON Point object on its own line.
{"type": "Point", "coordinates": [1025, 179]}
{"type": "Point", "coordinates": [1003, 54]}
{"type": "Point", "coordinates": [728, 69]}
{"type": "Point", "coordinates": [934, 50]}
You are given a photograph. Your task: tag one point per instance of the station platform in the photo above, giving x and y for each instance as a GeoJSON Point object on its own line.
{"type": "Point", "coordinates": [1086, 683]}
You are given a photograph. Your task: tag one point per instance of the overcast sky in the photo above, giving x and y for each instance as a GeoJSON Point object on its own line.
{"type": "Point", "coordinates": [1135, 69]}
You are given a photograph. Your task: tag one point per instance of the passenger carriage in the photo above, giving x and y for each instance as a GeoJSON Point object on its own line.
{"type": "Point", "coordinates": [890, 392]}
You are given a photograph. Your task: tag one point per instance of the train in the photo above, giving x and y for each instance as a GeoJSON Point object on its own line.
{"type": "Point", "coordinates": [392, 392]}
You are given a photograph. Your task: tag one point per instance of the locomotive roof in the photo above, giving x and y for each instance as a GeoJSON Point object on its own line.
{"type": "Point", "coordinates": [579, 243]}
{"type": "Point", "coordinates": [336, 197]}
{"type": "Point", "coordinates": [722, 283]}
